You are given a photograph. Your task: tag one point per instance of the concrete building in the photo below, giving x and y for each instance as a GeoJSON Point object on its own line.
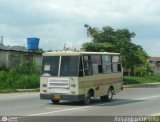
{"type": "Point", "coordinates": [155, 64]}
{"type": "Point", "coordinates": [12, 57]}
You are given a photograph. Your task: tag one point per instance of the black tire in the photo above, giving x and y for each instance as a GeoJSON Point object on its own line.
{"type": "Point", "coordinates": [55, 101]}
{"type": "Point", "coordinates": [87, 100]}
{"type": "Point", "coordinates": [103, 98]}
{"type": "Point", "coordinates": [109, 96]}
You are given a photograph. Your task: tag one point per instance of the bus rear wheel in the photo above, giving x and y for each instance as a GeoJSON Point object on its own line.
{"type": "Point", "coordinates": [109, 95]}
{"type": "Point", "coordinates": [55, 101]}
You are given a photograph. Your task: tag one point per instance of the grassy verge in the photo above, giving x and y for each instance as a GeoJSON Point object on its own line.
{"type": "Point", "coordinates": [19, 90]}
{"type": "Point", "coordinates": [13, 79]}
{"type": "Point", "coordinates": [140, 80]}
{"type": "Point", "coordinates": [152, 119]}
{"type": "Point", "coordinates": [7, 90]}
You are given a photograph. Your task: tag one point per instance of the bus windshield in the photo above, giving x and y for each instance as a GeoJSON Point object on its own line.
{"type": "Point", "coordinates": [50, 65]}
{"type": "Point", "coordinates": [69, 65]}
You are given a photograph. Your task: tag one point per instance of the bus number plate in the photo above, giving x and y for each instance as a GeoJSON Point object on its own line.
{"type": "Point", "coordinates": [57, 97]}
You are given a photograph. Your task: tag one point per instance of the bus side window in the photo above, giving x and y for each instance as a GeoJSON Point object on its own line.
{"type": "Point", "coordinates": [106, 63]}
{"type": "Point", "coordinates": [95, 69]}
{"type": "Point", "coordinates": [96, 64]}
{"type": "Point", "coordinates": [116, 66]}
{"type": "Point", "coordinates": [100, 68]}
{"type": "Point", "coordinates": [119, 68]}
{"type": "Point", "coordinates": [87, 65]}
{"type": "Point", "coordinates": [80, 68]}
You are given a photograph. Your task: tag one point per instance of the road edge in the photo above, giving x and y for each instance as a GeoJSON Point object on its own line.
{"type": "Point", "coordinates": [124, 86]}
{"type": "Point", "coordinates": [142, 85]}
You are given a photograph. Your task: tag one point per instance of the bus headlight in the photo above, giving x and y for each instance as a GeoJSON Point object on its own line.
{"type": "Point", "coordinates": [44, 85]}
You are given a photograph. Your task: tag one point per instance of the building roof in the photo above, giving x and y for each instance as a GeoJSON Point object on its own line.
{"type": "Point", "coordinates": [19, 49]}
{"type": "Point", "coordinates": [56, 53]}
{"type": "Point", "coordinates": [16, 48]}
{"type": "Point", "coordinates": [154, 58]}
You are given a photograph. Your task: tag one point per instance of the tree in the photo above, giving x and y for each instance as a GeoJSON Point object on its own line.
{"type": "Point", "coordinates": [120, 41]}
{"type": "Point", "coordinates": [98, 47]}
{"type": "Point", "coordinates": [105, 35]}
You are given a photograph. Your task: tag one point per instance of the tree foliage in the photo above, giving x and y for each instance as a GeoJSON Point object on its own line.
{"type": "Point", "coordinates": [120, 41]}
{"type": "Point", "coordinates": [98, 47]}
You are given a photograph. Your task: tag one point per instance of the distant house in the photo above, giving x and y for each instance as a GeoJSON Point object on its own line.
{"type": "Point", "coordinates": [11, 57]}
{"type": "Point", "coordinates": [155, 64]}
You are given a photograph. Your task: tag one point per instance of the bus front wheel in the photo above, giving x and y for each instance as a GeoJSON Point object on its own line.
{"type": "Point", "coordinates": [55, 101]}
{"type": "Point", "coordinates": [87, 100]}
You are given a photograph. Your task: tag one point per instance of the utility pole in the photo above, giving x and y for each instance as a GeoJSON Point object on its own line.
{"type": "Point", "coordinates": [1, 42]}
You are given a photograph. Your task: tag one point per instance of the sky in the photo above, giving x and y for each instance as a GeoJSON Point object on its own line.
{"type": "Point", "coordinates": [57, 22]}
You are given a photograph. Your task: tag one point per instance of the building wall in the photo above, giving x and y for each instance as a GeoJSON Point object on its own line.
{"type": "Point", "coordinates": [156, 69]}
{"type": "Point", "coordinates": [3, 57]}
{"type": "Point", "coordinates": [14, 59]}
{"type": "Point", "coordinates": [155, 65]}
{"type": "Point", "coordinates": [11, 58]}
{"type": "Point", "coordinates": [37, 59]}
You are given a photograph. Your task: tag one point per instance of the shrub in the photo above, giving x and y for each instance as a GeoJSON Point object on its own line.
{"type": "Point", "coordinates": [23, 76]}
{"type": "Point", "coordinates": [143, 70]}
{"type": "Point", "coordinates": [139, 71]}
{"type": "Point", "coordinates": [2, 67]}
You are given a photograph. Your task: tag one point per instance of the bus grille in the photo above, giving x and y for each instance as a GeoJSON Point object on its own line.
{"type": "Point", "coordinates": [58, 85]}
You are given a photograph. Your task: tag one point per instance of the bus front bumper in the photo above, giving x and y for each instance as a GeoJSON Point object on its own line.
{"type": "Point", "coordinates": [62, 97]}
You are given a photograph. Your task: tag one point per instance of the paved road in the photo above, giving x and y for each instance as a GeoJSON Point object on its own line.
{"type": "Point", "coordinates": [129, 102]}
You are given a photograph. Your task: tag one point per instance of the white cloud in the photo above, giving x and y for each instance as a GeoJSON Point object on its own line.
{"type": "Point", "coordinates": [59, 21]}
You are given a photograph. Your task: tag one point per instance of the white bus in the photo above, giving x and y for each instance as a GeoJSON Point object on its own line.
{"type": "Point", "coordinates": [79, 76]}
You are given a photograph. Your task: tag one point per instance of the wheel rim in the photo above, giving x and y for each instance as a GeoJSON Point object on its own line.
{"type": "Point", "coordinates": [110, 94]}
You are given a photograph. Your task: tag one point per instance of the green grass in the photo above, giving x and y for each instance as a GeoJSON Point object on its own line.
{"type": "Point", "coordinates": [8, 91]}
{"type": "Point", "coordinates": [10, 80]}
{"type": "Point", "coordinates": [152, 119]}
{"type": "Point", "coordinates": [139, 80]}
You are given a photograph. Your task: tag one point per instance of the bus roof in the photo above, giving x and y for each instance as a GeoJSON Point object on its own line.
{"type": "Point", "coordinates": [73, 53]}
